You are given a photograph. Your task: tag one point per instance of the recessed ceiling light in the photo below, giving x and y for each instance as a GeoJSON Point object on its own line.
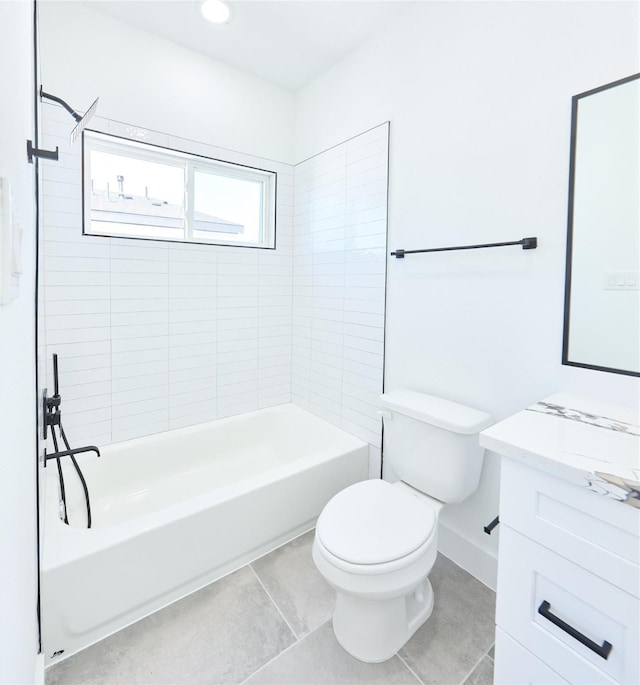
{"type": "Point", "coordinates": [215, 11]}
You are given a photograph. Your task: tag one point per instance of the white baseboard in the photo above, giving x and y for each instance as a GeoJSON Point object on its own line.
{"type": "Point", "coordinates": [480, 563]}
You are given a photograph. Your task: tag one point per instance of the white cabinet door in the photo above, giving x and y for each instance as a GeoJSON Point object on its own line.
{"type": "Point", "coordinates": [565, 615]}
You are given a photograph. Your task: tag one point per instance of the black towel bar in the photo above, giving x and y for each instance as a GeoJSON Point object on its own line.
{"type": "Point", "coordinates": [527, 244]}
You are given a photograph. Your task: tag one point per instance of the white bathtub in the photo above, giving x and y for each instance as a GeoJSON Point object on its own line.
{"type": "Point", "coordinates": [175, 511]}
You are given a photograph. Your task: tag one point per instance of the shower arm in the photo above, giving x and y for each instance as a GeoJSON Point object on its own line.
{"type": "Point", "coordinates": [60, 101]}
{"type": "Point", "coordinates": [81, 123]}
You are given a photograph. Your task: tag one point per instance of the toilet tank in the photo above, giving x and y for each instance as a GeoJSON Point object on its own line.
{"type": "Point", "coordinates": [432, 444]}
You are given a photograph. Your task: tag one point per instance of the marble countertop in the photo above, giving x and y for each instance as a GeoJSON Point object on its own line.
{"type": "Point", "coordinates": [588, 443]}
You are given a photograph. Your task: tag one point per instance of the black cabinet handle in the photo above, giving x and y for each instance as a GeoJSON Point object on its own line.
{"type": "Point", "coordinates": [602, 650]}
{"type": "Point", "coordinates": [490, 526]}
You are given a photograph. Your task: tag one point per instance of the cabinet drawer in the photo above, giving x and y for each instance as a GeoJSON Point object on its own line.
{"type": "Point", "coordinates": [593, 531]}
{"type": "Point", "coordinates": [531, 578]}
{"type": "Point", "coordinates": [515, 665]}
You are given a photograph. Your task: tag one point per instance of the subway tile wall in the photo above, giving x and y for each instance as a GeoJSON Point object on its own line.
{"type": "Point", "coordinates": [153, 336]}
{"type": "Point", "coordinates": [339, 260]}
{"type": "Point", "coordinates": [150, 335]}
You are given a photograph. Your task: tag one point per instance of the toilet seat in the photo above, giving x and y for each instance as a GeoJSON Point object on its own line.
{"type": "Point", "coordinates": [374, 524]}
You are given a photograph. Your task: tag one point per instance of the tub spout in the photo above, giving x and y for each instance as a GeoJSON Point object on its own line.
{"type": "Point", "coordinates": [69, 453]}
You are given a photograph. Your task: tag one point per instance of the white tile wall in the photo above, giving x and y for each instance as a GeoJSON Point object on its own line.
{"type": "Point", "coordinates": [151, 335]}
{"type": "Point", "coordinates": [339, 283]}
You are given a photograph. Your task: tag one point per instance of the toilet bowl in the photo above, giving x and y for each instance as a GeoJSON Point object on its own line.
{"type": "Point", "coordinates": [375, 544]}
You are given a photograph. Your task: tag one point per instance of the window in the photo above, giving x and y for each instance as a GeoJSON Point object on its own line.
{"type": "Point", "coordinates": [137, 190]}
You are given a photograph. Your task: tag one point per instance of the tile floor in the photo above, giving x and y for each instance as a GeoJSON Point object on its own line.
{"type": "Point", "coordinates": [270, 622]}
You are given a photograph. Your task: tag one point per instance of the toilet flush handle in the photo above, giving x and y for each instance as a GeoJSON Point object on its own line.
{"type": "Point", "coordinates": [385, 414]}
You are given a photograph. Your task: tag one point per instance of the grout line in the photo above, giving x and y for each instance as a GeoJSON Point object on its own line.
{"type": "Point", "coordinates": [409, 668]}
{"type": "Point", "coordinates": [286, 649]}
{"type": "Point", "coordinates": [485, 654]}
{"type": "Point", "coordinates": [111, 350]}
{"type": "Point", "coordinates": [293, 632]}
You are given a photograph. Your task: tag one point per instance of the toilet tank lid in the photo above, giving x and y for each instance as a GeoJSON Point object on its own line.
{"type": "Point", "coordinates": [436, 411]}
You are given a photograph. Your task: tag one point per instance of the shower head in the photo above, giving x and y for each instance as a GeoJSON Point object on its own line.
{"type": "Point", "coordinates": [82, 123]}
{"type": "Point", "coordinates": [81, 120]}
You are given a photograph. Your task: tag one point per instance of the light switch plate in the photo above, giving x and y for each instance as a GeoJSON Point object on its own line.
{"type": "Point", "coordinates": [621, 280]}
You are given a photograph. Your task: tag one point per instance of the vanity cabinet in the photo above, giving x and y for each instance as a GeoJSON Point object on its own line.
{"type": "Point", "coordinates": [568, 583]}
{"type": "Point", "coordinates": [568, 594]}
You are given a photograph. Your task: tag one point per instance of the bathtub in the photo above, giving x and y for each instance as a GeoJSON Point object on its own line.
{"type": "Point", "coordinates": [178, 510]}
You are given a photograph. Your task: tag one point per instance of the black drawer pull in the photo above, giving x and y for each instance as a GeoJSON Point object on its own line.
{"type": "Point", "coordinates": [602, 650]}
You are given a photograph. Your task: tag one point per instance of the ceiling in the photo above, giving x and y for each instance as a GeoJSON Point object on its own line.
{"type": "Point", "coordinates": [286, 42]}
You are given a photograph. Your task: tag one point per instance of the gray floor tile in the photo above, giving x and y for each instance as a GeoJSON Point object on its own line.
{"type": "Point", "coordinates": [221, 634]}
{"type": "Point", "coordinates": [482, 674]}
{"type": "Point", "coordinates": [318, 659]}
{"type": "Point", "coordinates": [460, 630]}
{"type": "Point", "coordinates": [492, 653]}
{"type": "Point", "coordinates": [291, 578]}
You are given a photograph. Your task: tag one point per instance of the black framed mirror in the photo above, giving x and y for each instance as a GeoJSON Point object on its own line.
{"type": "Point", "coordinates": [602, 289]}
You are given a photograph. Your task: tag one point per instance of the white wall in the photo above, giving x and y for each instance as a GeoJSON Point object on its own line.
{"type": "Point", "coordinates": [147, 81]}
{"type": "Point", "coordinates": [340, 234]}
{"type": "Point", "coordinates": [478, 95]}
{"type": "Point", "coordinates": [18, 631]}
{"type": "Point", "coordinates": [152, 335]}
{"type": "Point", "coordinates": [112, 308]}
{"type": "Point", "coordinates": [154, 84]}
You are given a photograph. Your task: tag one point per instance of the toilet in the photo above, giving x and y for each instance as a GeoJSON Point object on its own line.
{"type": "Point", "coordinates": [376, 541]}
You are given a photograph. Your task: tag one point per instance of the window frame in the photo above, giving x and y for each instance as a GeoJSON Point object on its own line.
{"type": "Point", "coordinates": [192, 163]}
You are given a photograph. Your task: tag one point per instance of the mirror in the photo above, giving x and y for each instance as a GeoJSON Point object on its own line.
{"type": "Point", "coordinates": [602, 295]}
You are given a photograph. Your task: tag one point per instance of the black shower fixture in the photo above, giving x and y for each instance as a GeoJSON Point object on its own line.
{"type": "Point", "coordinates": [52, 417]}
{"type": "Point", "coordinates": [81, 122]}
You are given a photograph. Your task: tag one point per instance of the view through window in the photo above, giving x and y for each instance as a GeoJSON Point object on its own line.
{"type": "Point", "coordinates": [137, 190]}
